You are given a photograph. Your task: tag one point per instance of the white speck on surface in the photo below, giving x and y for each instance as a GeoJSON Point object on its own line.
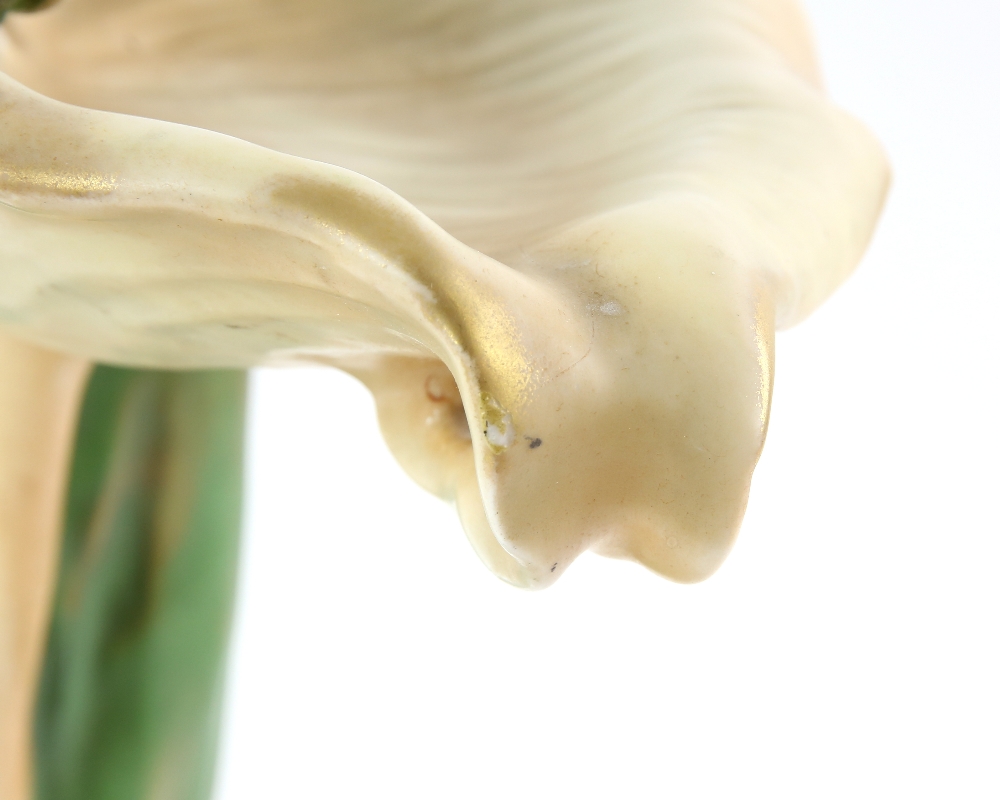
{"type": "Point", "coordinates": [501, 434]}
{"type": "Point", "coordinates": [609, 308]}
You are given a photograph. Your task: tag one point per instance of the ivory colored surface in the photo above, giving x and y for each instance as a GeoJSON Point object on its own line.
{"type": "Point", "coordinates": [849, 646]}
{"type": "Point", "coordinates": [39, 395]}
{"type": "Point", "coordinates": [613, 204]}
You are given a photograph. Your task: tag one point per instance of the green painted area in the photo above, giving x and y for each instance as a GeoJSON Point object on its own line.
{"type": "Point", "coordinates": [132, 684]}
{"type": "Point", "coordinates": [22, 5]}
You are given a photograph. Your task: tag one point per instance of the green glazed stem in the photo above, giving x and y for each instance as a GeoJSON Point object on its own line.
{"type": "Point", "coordinates": [131, 689]}
{"type": "Point", "coordinates": [22, 5]}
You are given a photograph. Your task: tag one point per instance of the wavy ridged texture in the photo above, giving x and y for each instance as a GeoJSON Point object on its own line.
{"type": "Point", "coordinates": [593, 214]}
{"type": "Point", "coordinates": [132, 684]}
{"type": "Point", "coordinates": [553, 238]}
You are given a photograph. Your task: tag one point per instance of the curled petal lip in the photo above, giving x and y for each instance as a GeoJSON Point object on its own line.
{"type": "Point", "coordinates": [614, 302]}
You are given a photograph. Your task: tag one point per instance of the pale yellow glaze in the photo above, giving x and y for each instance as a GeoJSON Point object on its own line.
{"type": "Point", "coordinates": [39, 395]}
{"type": "Point", "coordinates": [568, 321]}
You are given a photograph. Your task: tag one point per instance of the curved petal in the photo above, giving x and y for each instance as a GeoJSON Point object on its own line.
{"type": "Point", "coordinates": [501, 120]}
{"type": "Point", "coordinates": [617, 203]}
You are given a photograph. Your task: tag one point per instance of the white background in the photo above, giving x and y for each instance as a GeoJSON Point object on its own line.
{"type": "Point", "coordinates": [847, 648]}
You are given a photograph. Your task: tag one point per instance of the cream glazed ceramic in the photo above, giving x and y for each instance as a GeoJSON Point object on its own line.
{"type": "Point", "coordinates": [553, 238]}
